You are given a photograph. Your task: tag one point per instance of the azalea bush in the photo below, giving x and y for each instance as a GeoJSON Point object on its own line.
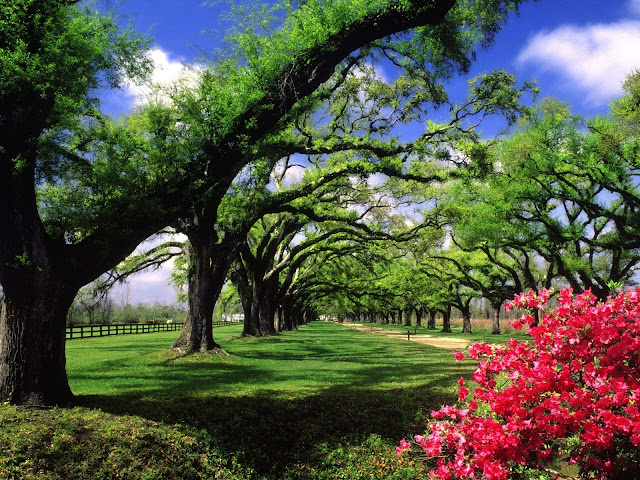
{"type": "Point", "coordinates": [569, 396]}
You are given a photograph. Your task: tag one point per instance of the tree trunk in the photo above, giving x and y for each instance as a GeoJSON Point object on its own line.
{"type": "Point", "coordinates": [495, 324]}
{"type": "Point", "coordinates": [254, 321]}
{"type": "Point", "coordinates": [431, 324]}
{"type": "Point", "coordinates": [536, 317]}
{"type": "Point", "coordinates": [466, 320]}
{"type": "Point", "coordinates": [407, 317]}
{"type": "Point", "coordinates": [446, 320]}
{"type": "Point", "coordinates": [309, 317]}
{"type": "Point", "coordinates": [288, 319]}
{"type": "Point", "coordinates": [245, 291]}
{"type": "Point", "coordinates": [297, 317]}
{"type": "Point", "coordinates": [419, 314]}
{"type": "Point", "coordinates": [209, 265]}
{"type": "Point", "coordinates": [32, 342]}
{"type": "Point", "coordinates": [267, 313]}
{"type": "Point", "coordinates": [261, 300]}
{"type": "Point", "coordinates": [37, 294]}
{"type": "Point", "coordinates": [268, 305]}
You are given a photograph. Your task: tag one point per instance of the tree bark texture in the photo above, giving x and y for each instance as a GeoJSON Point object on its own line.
{"type": "Point", "coordinates": [419, 315]}
{"type": "Point", "coordinates": [209, 266]}
{"type": "Point", "coordinates": [32, 343]}
{"type": "Point", "coordinates": [260, 291]}
{"type": "Point", "coordinates": [495, 323]}
{"type": "Point", "coordinates": [446, 320]}
{"type": "Point", "coordinates": [245, 291]}
{"type": "Point", "coordinates": [431, 324]}
{"type": "Point", "coordinates": [407, 317]}
{"type": "Point", "coordinates": [466, 321]}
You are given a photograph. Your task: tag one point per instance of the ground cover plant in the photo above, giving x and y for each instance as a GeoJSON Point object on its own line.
{"type": "Point", "coordinates": [323, 402]}
{"type": "Point", "coordinates": [571, 395]}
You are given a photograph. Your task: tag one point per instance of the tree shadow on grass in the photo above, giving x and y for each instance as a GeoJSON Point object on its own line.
{"type": "Point", "coordinates": [271, 433]}
{"type": "Point", "coordinates": [274, 419]}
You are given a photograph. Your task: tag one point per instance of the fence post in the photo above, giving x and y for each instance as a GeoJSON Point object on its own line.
{"type": "Point", "coordinates": [100, 330]}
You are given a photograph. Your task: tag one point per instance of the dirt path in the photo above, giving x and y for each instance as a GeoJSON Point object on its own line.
{"type": "Point", "coordinates": [434, 341]}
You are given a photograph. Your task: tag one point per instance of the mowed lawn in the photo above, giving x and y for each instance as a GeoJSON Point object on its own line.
{"type": "Point", "coordinates": [321, 402]}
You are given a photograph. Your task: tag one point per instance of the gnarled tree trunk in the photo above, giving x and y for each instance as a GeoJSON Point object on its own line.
{"type": "Point", "coordinates": [32, 342]}
{"type": "Point", "coordinates": [446, 319]}
{"type": "Point", "coordinates": [209, 263]}
{"type": "Point", "coordinates": [431, 324]}
{"type": "Point", "coordinates": [495, 324]}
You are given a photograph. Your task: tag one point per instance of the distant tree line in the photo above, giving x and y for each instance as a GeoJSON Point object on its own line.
{"type": "Point", "coordinates": [108, 312]}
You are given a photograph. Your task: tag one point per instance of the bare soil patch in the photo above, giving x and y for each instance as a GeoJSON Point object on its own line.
{"type": "Point", "coordinates": [434, 341]}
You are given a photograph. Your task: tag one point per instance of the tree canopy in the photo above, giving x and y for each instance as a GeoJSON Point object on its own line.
{"type": "Point", "coordinates": [60, 156]}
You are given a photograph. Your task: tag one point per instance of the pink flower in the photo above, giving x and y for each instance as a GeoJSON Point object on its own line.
{"type": "Point", "coordinates": [580, 376]}
{"type": "Point", "coordinates": [403, 447]}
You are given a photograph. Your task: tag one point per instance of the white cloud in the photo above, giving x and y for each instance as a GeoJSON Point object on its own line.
{"type": "Point", "coordinates": [167, 73]}
{"type": "Point", "coordinates": [288, 173]}
{"type": "Point", "coordinates": [141, 290]}
{"type": "Point", "coordinates": [376, 180]}
{"type": "Point", "coordinates": [593, 59]}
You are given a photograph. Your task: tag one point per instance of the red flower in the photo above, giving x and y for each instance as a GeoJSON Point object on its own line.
{"type": "Point", "coordinates": [579, 379]}
{"type": "Point", "coordinates": [459, 356]}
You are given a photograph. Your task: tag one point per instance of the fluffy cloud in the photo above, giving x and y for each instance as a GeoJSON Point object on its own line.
{"type": "Point", "coordinates": [289, 171]}
{"type": "Point", "coordinates": [593, 59]}
{"type": "Point", "coordinates": [166, 73]}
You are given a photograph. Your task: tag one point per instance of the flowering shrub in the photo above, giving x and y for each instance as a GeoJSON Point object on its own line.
{"type": "Point", "coordinates": [572, 394]}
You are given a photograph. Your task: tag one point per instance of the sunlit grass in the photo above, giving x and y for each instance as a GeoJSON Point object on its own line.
{"type": "Point", "coordinates": [321, 402]}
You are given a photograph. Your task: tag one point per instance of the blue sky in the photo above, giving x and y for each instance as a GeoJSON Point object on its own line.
{"type": "Point", "coordinates": [578, 51]}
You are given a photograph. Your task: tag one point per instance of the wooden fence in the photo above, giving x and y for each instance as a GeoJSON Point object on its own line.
{"type": "Point", "coordinates": [226, 323]}
{"type": "Point", "coordinates": [88, 331]}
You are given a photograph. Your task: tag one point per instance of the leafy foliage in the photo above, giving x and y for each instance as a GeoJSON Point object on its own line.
{"type": "Point", "coordinates": [36, 65]}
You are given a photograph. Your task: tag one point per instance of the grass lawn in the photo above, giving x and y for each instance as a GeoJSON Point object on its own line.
{"type": "Point", "coordinates": [323, 402]}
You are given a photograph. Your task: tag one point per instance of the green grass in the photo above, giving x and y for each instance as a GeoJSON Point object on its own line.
{"type": "Point", "coordinates": [323, 402]}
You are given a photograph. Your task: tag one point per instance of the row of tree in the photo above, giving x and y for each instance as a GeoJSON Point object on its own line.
{"type": "Point", "coordinates": [555, 204]}
{"type": "Point", "coordinates": [79, 191]}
